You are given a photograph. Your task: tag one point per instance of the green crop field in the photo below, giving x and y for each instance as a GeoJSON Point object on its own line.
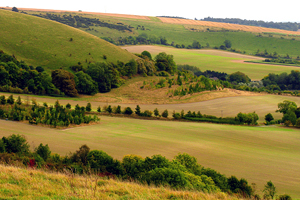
{"type": "Point", "coordinates": [216, 60]}
{"type": "Point", "coordinates": [41, 42]}
{"type": "Point", "coordinates": [258, 154]}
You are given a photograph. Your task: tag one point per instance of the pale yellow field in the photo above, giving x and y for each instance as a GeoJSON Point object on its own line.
{"type": "Point", "coordinates": [226, 26]}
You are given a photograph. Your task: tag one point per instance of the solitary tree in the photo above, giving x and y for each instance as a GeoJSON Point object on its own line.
{"type": "Point", "coordinates": [88, 107]}
{"type": "Point", "coordinates": [165, 114]}
{"type": "Point", "coordinates": [118, 110]}
{"type": "Point", "coordinates": [138, 110]}
{"type": "Point", "coordinates": [156, 112]}
{"type": "Point", "coordinates": [19, 101]}
{"type": "Point", "coordinates": [109, 109]}
{"type": "Point", "coordinates": [15, 9]}
{"type": "Point", "coordinates": [227, 43]}
{"type": "Point", "coordinates": [269, 117]}
{"type": "Point", "coordinates": [270, 190]}
{"type": "Point", "coordinates": [99, 109]}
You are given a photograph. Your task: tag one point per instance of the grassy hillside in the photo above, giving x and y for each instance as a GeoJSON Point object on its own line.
{"type": "Point", "coordinates": [41, 42]}
{"type": "Point", "coordinates": [258, 154]}
{"type": "Point", "coordinates": [20, 183]}
{"type": "Point", "coordinates": [185, 33]}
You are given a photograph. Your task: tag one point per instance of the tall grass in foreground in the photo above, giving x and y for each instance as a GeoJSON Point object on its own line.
{"type": "Point", "coordinates": [21, 183]}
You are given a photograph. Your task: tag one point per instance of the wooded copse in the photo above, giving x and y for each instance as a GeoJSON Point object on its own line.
{"type": "Point", "coordinates": [53, 116]}
{"type": "Point", "coordinates": [17, 77]}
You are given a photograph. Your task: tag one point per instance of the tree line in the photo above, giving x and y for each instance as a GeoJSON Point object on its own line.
{"type": "Point", "coordinates": [53, 116]}
{"type": "Point", "coordinates": [283, 83]}
{"type": "Point", "coordinates": [83, 22]}
{"type": "Point", "coordinates": [183, 172]}
{"type": "Point", "coordinates": [292, 26]}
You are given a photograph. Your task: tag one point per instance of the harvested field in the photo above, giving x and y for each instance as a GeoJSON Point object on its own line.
{"type": "Point", "coordinates": [258, 154]}
{"type": "Point", "coordinates": [81, 12]}
{"type": "Point", "coordinates": [236, 27]}
{"type": "Point", "coordinates": [220, 106]}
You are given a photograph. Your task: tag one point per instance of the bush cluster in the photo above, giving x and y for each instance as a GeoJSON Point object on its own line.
{"type": "Point", "coordinates": [83, 22]}
{"type": "Point", "coordinates": [183, 172]}
{"type": "Point", "coordinates": [53, 116]}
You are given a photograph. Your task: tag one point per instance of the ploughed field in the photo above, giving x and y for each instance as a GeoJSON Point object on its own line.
{"type": "Point", "coordinates": [258, 154]}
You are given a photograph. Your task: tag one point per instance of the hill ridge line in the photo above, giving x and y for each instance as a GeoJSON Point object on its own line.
{"type": "Point", "coordinates": [84, 12]}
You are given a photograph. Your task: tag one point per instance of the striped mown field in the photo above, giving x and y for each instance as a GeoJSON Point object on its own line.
{"type": "Point", "coordinates": [259, 154]}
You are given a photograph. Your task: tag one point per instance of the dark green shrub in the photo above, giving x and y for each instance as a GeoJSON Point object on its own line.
{"type": "Point", "coordinates": [134, 166]}
{"type": "Point", "coordinates": [99, 160]}
{"type": "Point", "coordinates": [2, 147]}
{"type": "Point", "coordinates": [2, 100]}
{"type": "Point", "coordinates": [284, 197]}
{"type": "Point", "coordinates": [166, 177]}
{"type": "Point", "coordinates": [138, 110]}
{"type": "Point", "coordinates": [109, 109]}
{"type": "Point", "coordinates": [16, 144]}
{"type": "Point", "coordinates": [118, 110]}
{"type": "Point", "coordinates": [88, 107]}
{"type": "Point", "coordinates": [43, 151]}
{"type": "Point", "coordinates": [128, 111]}
{"type": "Point", "coordinates": [10, 100]}
{"type": "Point", "coordinates": [156, 112]}
{"type": "Point", "coordinates": [156, 161]}
{"type": "Point", "coordinates": [165, 114]}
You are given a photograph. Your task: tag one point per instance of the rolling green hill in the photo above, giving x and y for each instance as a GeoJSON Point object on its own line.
{"type": "Point", "coordinates": [185, 34]}
{"type": "Point", "coordinates": [42, 42]}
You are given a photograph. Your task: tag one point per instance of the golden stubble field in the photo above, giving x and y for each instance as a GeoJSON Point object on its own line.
{"type": "Point", "coordinates": [229, 26]}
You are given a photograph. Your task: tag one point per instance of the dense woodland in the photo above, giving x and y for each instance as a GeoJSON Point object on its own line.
{"type": "Point", "coordinates": [292, 26]}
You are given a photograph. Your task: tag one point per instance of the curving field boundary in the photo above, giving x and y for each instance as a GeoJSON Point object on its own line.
{"type": "Point", "coordinates": [237, 27]}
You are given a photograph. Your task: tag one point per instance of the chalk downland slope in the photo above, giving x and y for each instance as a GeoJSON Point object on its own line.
{"type": "Point", "coordinates": [41, 42]}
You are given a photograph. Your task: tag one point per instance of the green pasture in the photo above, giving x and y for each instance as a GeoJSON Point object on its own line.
{"type": "Point", "coordinates": [258, 154]}
{"type": "Point", "coordinates": [41, 42]}
{"type": "Point", "coordinates": [216, 60]}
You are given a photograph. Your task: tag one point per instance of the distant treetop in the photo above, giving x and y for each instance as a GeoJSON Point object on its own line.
{"type": "Point", "coordinates": [292, 26]}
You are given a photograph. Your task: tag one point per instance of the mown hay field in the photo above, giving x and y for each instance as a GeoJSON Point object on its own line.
{"type": "Point", "coordinates": [258, 154]}
{"type": "Point", "coordinates": [217, 103]}
{"type": "Point", "coordinates": [217, 60]}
